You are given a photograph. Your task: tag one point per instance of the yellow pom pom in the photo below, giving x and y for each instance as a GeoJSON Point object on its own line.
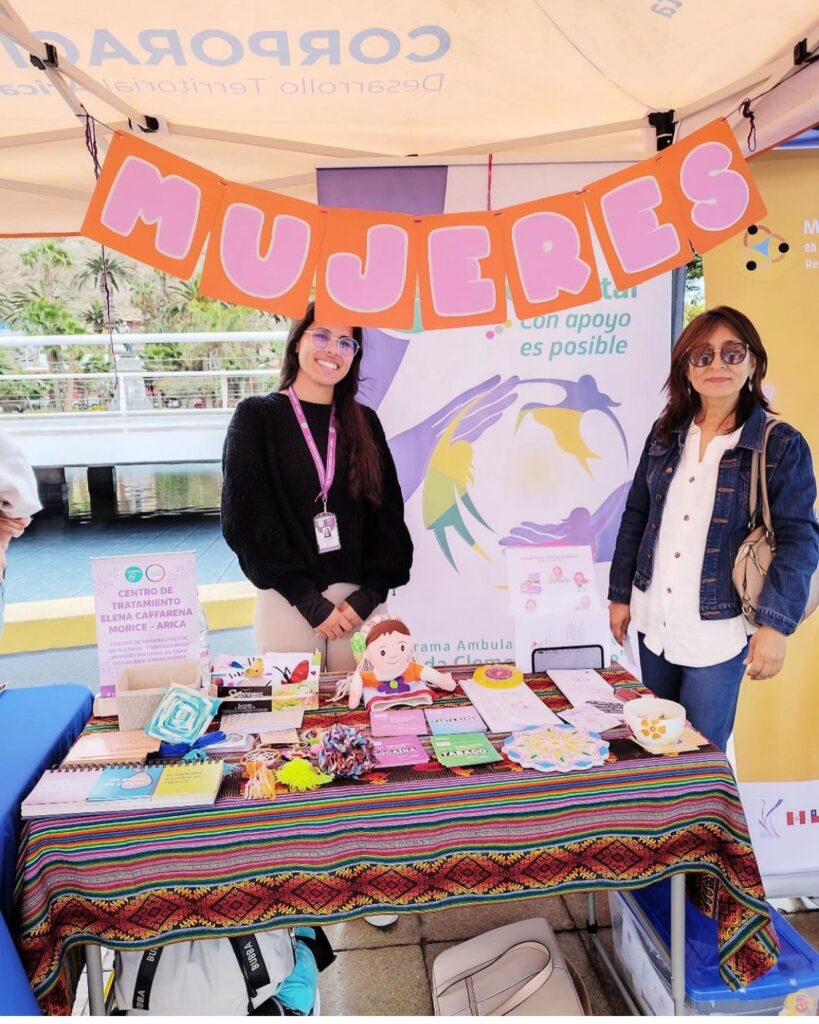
{"type": "Point", "coordinates": [300, 775]}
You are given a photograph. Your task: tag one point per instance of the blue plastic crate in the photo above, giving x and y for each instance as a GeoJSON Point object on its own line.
{"type": "Point", "coordinates": [796, 970]}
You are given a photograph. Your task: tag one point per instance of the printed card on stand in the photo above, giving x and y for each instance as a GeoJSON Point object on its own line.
{"type": "Point", "coordinates": [392, 751]}
{"type": "Point", "coordinates": [454, 720]}
{"type": "Point", "coordinates": [551, 579]}
{"type": "Point", "coordinates": [397, 722]}
{"type": "Point", "coordinates": [271, 675]}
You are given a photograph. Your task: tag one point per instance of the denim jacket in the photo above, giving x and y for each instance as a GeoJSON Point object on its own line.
{"type": "Point", "coordinates": [791, 495]}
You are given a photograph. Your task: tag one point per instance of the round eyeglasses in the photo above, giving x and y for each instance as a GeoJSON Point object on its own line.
{"type": "Point", "coordinates": [732, 354]}
{"type": "Point", "coordinates": [345, 346]}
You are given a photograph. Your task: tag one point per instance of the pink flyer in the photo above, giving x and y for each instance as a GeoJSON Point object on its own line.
{"type": "Point", "coordinates": [391, 751]}
{"type": "Point", "coordinates": [395, 722]}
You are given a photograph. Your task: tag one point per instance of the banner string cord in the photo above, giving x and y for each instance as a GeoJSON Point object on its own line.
{"type": "Point", "coordinates": [745, 108]}
{"type": "Point", "coordinates": [489, 182]}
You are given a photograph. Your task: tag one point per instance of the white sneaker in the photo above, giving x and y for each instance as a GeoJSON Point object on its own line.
{"type": "Point", "coordinates": [381, 920]}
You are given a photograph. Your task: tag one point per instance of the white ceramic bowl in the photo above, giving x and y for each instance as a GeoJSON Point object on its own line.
{"type": "Point", "coordinates": [655, 723]}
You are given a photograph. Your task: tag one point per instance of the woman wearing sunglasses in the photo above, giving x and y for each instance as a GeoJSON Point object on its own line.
{"type": "Point", "coordinates": [311, 502]}
{"type": "Point", "coordinates": [686, 515]}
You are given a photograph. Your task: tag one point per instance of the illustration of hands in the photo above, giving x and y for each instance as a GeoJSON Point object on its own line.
{"type": "Point", "coordinates": [413, 449]}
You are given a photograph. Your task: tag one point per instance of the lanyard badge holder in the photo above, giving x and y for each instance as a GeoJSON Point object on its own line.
{"type": "Point", "coordinates": [325, 523]}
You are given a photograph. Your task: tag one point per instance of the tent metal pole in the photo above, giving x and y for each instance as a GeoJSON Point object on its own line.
{"type": "Point", "coordinates": [262, 141]}
{"type": "Point", "coordinates": [541, 140]}
{"type": "Point", "coordinates": [13, 26]}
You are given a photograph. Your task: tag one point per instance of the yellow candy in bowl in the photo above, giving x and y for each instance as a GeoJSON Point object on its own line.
{"type": "Point", "coordinates": [655, 723]}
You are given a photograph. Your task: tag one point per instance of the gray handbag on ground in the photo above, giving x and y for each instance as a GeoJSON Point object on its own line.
{"type": "Point", "coordinates": [515, 970]}
{"type": "Point", "coordinates": [758, 550]}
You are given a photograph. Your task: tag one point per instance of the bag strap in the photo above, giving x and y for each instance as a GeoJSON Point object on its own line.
{"type": "Point", "coordinates": [148, 963]}
{"type": "Point", "coordinates": [759, 479]}
{"type": "Point", "coordinates": [251, 963]}
{"type": "Point", "coordinates": [522, 994]}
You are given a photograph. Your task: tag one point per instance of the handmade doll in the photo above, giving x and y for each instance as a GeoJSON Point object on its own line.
{"type": "Point", "coordinates": [387, 674]}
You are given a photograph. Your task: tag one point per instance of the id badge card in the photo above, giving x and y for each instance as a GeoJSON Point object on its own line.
{"type": "Point", "coordinates": [326, 526]}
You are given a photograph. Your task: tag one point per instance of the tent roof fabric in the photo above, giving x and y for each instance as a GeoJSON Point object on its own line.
{"type": "Point", "coordinates": [274, 90]}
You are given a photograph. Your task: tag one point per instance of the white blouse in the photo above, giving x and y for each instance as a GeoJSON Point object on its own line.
{"type": "Point", "coordinates": [668, 613]}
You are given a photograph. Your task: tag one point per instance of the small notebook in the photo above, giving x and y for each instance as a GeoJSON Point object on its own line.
{"type": "Point", "coordinates": [189, 784]}
{"type": "Point", "coordinates": [111, 747]}
{"type": "Point", "coordinates": [117, 785]}
{"type": "Point", "coordinates": [62, 791]}
{"type": "Point", "coordinates": [89, 790]}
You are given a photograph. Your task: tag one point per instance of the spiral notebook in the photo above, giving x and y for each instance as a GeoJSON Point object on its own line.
{"type": "Point", "coordinates": [83, 789]}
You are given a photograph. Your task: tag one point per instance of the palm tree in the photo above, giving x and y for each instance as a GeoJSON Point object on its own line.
{"type": "Point", "coordinates": [93, 316]}
{"type": "Point", "coordinates": [47, 257]}
{"type": "Point", "coordinates": [99, 269]}
{"type": "Point", "coordinates": [34, 313]}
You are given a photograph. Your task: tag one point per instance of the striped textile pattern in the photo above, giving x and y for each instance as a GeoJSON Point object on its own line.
{"type": "Point", "coordinates": [402, 840]}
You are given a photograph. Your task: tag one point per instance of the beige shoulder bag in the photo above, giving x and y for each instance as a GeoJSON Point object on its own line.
{"type": "Point", "coordinates": [757, 551]}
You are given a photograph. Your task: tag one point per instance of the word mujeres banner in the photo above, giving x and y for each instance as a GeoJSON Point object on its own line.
{"type": "Point", "coordinates": [266, 250]}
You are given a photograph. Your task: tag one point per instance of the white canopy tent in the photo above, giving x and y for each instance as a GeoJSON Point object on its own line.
{"type": "Point", "coordinates": [267, 92]}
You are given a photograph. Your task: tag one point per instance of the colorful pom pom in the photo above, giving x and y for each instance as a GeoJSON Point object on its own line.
{"type": "Point", "coordinates": [344, 750]}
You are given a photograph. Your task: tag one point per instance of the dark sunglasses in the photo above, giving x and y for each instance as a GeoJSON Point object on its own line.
{"type": "Point", "coordinates": [732, 354]}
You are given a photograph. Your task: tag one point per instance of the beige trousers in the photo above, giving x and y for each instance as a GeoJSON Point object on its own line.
{"type": "Point", "coordinates": [281, 627]}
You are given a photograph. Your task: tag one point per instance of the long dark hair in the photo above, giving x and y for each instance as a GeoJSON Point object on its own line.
{"type": "Point", "coordinates": [683, 401]}
{"type": "Point", "coordinates": [355, 438]}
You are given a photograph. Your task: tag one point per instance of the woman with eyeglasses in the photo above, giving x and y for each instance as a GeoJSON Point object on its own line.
{"type": "Point", "coordinates": [311, 502]}
{"type": "Point", "coordinates": [686, 515]}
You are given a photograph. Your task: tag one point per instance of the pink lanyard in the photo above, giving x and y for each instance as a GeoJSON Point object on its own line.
{"type": "Point", "coordinates": [325, 475]}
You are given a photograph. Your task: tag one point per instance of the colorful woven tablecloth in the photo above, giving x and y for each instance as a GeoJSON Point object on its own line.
{"type": "Point", "coordinates": [407, 840]}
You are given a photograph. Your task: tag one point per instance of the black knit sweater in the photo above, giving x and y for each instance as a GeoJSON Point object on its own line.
{"type": "Point", "coordinates": [270, 496]}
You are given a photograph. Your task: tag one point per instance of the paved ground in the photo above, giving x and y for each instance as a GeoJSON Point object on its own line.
{"type": "Point", "coordinates": [52, 558]}
{"type": "Point", "coordinates": [387, 972]}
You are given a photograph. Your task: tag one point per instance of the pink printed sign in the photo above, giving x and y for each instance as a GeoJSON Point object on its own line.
{"type": "Point", "coordinates": [146, 610]}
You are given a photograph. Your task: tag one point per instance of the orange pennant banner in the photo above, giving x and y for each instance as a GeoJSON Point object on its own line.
{"type": "Point", "coordinates": [637, 219]}
{"type": "Point", "coordinates": [152, 205]}
{"type": "Point", "coordinates": [549, 255]}
{"type": "Point", "coordinates": [716, 193]}
{"type": "Point", "coordinates": [463, 274]}
{"type": "Point", "coordinates": [265, 249]}
{"type": "Point", "coordinates": [368, 269]}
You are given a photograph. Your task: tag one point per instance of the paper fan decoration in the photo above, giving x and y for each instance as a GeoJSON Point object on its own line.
{"type": "Point", "coordinates": [556, 748]}
{"type": "Point", "coordinates": [498, 677]}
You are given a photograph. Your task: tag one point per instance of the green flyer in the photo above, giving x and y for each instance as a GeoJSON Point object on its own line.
{"type": "Point", "coordinates": [453, 751]}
